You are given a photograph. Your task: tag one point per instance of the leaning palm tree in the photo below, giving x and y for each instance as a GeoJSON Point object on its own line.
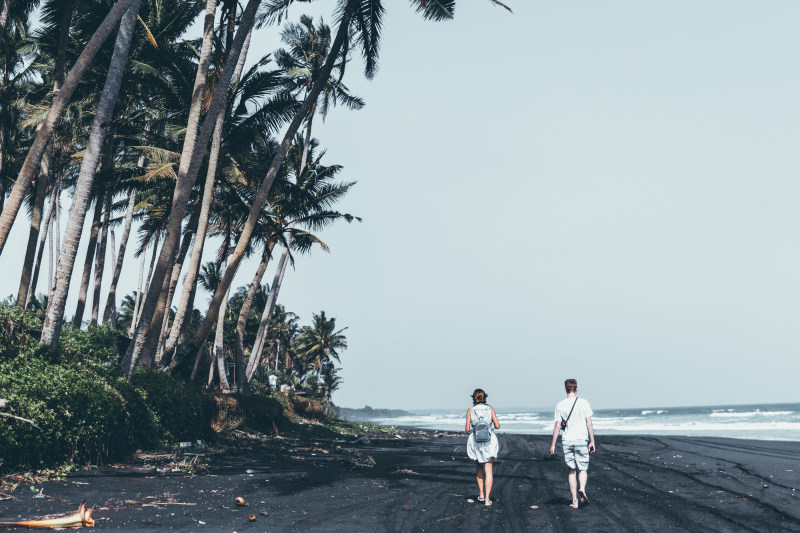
{"type": "Point", "coordinates": [191, 158]}
{"type": "Point", "coordinates": [60, 100]}
{"type": "Point", "coordinates": [359, 23]}
{"type": "Point", "coordinates": [54, 315]}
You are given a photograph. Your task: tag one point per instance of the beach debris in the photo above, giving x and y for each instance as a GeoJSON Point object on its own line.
{"type": "Point", "coordinates": [252, 518]}
{"type": "Point", "coordinates": [405, 471]}
{"type": "Point", "coordinates": [534, 507]}
{"type": "Point", "coordinates": [765, 486]}
{"type": "Point", "coordinates": [405, 507]}
{"type": "Point", "coordinates": [80, 518]}
{"type": "Point", "coordinates": [360, 459]}
{"type": "Point", "coordinates": [168, 501]}
{"type": "Point", "coordinates": [264, 513]}
{"type": "Point", "coordinates": [470, 500]}
{"type": "Point", "coordinates": [239, 501]}
{"type": "Point", "coordinates": [338, 449]}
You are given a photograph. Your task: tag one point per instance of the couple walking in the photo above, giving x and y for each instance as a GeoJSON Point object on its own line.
{"type": "Point", "coordinates": [572, 414]}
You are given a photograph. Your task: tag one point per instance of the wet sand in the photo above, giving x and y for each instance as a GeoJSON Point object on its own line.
{"type": "Point", "coordinates": [424, 484]}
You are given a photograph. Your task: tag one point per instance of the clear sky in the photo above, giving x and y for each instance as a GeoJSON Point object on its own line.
{"type": "Point", "coordinates": [599, 190]}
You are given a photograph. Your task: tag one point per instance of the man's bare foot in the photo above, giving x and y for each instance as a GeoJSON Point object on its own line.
{"type": "Point", "coordinates": [584, 497]}
{"type": "Point", "coordinates": [574, 505]}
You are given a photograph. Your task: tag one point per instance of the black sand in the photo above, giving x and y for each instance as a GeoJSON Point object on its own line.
{"type": "Point", "coordinates": [423, 484]}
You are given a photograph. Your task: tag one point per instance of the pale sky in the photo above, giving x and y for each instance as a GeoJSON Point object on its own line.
{"type": "Point", "coordinates": [598, 190]}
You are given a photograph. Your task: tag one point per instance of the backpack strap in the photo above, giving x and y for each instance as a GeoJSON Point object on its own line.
{"type": "Point", "coordinates": [476, 416]}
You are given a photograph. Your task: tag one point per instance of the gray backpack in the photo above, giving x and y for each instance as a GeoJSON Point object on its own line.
{"type": "Point", "coordinates": [480, 428]}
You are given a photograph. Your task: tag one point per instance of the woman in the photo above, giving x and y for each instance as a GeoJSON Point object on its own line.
{"type": "Point", "coordinates": [483, 453]}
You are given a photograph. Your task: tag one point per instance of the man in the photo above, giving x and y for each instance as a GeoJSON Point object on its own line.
{"type": "Point", "coordinates": [273, 381]}
{"type": "Point", "coordinates": [578, 439]}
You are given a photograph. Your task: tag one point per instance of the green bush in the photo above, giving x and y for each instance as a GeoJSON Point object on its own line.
{"type": "Point", "coordinates": [82, 417]}
{"type": "Point", "coordinates": [183, 411]}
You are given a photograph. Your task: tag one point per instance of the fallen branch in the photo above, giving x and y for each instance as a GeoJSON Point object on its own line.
{"type": "Point", "coordinates": [31, 422]}
{"type": "Point", "coordinates": [81, 518]}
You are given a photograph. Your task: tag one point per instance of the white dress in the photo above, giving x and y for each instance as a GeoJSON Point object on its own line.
{"type": "Point", "coordinates": [482, 451]}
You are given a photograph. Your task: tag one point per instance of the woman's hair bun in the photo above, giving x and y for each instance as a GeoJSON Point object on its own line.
{"type": "Point", "coordinates": [478, 396]}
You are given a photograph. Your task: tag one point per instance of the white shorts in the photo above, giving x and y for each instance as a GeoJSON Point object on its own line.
{"type": "Point", "coordinates": [576, 455]}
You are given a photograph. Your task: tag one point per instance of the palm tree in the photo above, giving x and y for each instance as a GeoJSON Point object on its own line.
{"type": "Point", "coordinates": [320, 343]}
{"type": "Point", "coordinates": [360, 23]}
{"type": "Point", "coordinates": [331, 380]}
{"type": "Point", "coordinates": [60, 101]}
{"type": "Point", "coordinates": [305, 203]}
{"type": "Point", "coordinates": [51, 327]}
{"type": "Point", "coordinates": [303, 60]}
{"type": "Point", "coordinates": [191, 159]}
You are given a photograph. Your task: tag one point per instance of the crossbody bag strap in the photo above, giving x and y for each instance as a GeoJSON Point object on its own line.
{"type": "Point", "coordinates": [573, 408]}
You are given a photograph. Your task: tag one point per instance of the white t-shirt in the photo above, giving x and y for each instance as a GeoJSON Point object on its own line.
{"type": "Point", "coordinates": [576, 426]}
{"type": "Point", "coordinates": [273, 381]}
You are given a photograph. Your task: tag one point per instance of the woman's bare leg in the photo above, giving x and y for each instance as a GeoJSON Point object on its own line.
{"type": "Point", "coordinates": [489, 481]}
{"type": "Point", "coordinates": [480, 477]}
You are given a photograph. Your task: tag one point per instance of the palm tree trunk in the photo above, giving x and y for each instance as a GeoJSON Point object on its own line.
{"type": "Point", "coordinates": [60, 101]}
{"type": "Point", "coordinates": [51, 328]}
{"type": "Point", "coordinates": [91, 249]}
{"type": "Point", "coordinates": [263, 190]}
{"type": "Point", "coordinates": [4, 15]}
{"type": "Point", "coordinates": [2, 158]}
{"type": "Point", "coordinates": [52, 252]}
{"type": "Point", "coordinates": [191, 159]}
{"type": "Point", "coordinates": [266, 317]}
{"type": "Point", "coordinates": [100, 260]}
{"type": "Point", "coordinates": [48, 219]}
{"type": "Point", "coordinates": [56, 241]}
{"type": "Point", "coordinates": [33, 237]}
{"type": "Point", "coordinates": [197, 362]}
{"type": "Point", "coordinates": [198, 91]}
{"type": "Point", "coordinates": [191, 230]}
{"type": "Point", "coordinates": [307, 140]}
{"type": "Point", "coordinates": [110, 312]}
{"type": "Point", "coordinates": [189, 284]}
{"type": "Point", "coordinates": [144, 288]}
{"type": "Point", "coordinates": [238, 346]}
{"type": "Point", "coordinates": [224, 386]}
{"type": "Point", "coordinates": [138, 294]}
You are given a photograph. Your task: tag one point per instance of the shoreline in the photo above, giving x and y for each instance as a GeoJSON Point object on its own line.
{"type": "Point", "coordinates": [422, 482]}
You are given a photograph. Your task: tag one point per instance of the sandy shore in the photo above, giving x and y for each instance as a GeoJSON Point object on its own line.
{"type": "Point", "coordinates": [424, 484]}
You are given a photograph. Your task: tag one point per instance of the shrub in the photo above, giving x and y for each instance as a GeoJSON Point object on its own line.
{"type": "Point", "coordinates": [183, 411]}
{"type": "Point", "coordinates": [82, 418]}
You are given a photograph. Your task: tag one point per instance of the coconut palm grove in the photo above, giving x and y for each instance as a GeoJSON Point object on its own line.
{"type": "Point", "coordinates": [150, 135]}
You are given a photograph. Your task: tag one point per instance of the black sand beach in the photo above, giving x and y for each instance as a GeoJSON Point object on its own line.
{"type": "Point", "coordinates": [424, 484]}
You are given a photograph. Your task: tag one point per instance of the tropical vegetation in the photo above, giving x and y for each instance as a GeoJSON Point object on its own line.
{"type": "Point", "coordinates": [177, 148]}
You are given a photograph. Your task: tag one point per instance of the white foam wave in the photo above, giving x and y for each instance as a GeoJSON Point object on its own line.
{"type": "Point", "coordinates": [749, 414]}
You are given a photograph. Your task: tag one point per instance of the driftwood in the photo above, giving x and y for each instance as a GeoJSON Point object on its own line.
{"type": "Point", "coordinates": [81, 518]}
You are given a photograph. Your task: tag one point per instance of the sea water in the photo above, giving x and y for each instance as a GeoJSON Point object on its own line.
{"type": "Point", "coordinates": [764, 422]}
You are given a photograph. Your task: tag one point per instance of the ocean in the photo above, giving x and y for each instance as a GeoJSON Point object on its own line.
{"type": "Point", "coordinates": [763, 422]}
